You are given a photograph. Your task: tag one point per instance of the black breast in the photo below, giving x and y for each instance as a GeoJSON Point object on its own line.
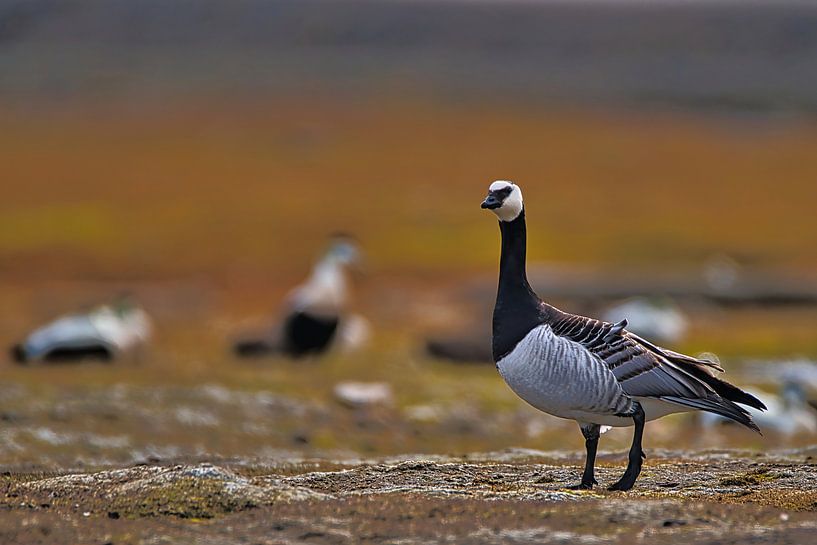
{"type": "Point", "coordinates": [308, 334]}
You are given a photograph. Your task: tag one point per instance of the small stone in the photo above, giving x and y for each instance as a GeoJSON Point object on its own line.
{"type": "Point", "coordinates": [424, 413]}
{"type": "Point", "coordinates": [363, 394]}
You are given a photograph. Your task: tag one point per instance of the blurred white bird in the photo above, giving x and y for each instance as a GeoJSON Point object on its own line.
{"type": "Point", "coordinates": [801, 371]}
{"type": "Point", "coordinates": [658, 319]}
{"type": "Point", "coordinates": [107, 332]}
{"type": "Point", "coordinates": [317, 315]}
{"type": "Point", "coordinates": [789, 414]}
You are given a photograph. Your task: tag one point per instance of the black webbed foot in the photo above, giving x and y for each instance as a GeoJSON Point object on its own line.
{"type": "Point", "coordinates": [584, 485]}
{"type": "Point", "coordinates": [627, 480]}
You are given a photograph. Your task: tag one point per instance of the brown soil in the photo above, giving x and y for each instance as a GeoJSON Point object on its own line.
{"type": "Point", "coordinates": [508, 497]}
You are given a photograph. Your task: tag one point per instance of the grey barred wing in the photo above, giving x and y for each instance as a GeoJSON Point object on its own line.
{"type": "Point", "coordinates": [643, 373]}
{"type": "Point", "coordinates": [637, 369]}
{"type": "Point", "coordinates": [646, 370]}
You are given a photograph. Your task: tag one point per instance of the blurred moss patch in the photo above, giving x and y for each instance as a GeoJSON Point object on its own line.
{"type": "Point", "coordinates": [85, 226]}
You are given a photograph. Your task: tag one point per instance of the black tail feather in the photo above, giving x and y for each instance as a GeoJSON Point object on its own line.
{"type": "Point", "coordinates": [719, 406]}
{"type": "Point", "coordinates": [722, 388]}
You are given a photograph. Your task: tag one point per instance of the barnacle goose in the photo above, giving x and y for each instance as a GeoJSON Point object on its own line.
{"type": "Point", "coordinates": [316, 315]}
{"type": "Point", "coordinates": [596, 373]}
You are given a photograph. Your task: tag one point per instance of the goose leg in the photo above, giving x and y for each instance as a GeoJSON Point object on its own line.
{"type": "Point", "coordinates": [627, 480]}
{"type": "Point", "coordinates": [591, 434]}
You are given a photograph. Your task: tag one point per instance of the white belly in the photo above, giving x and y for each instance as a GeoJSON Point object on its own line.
{"type": "Point", "coordinates": [653, 409]}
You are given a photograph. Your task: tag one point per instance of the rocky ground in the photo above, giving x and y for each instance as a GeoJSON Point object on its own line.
{"type": "Point", "coordinates": [506, 497]}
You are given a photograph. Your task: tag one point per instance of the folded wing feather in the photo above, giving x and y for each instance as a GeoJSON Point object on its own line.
{"type": "Point", "coordinates": [646, 370]}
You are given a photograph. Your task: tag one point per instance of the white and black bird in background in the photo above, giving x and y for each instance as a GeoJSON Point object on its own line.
{"type": "Point", "coordinates": [316, 315]}
{"type": "Point", "coordinates": [594, 372]}
{"type": "Point", "coordinates": [106, 332]}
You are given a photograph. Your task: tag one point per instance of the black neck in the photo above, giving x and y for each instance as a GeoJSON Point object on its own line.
{"type": "Point", "coordinates": [513, 277]}
{"type": "Point", "coordinates": [518, 309]}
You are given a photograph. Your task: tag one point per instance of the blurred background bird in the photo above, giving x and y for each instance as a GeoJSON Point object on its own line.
{"type": "Point", "coordinates": [789, 412]}
{"type": "Point", "coordinates": [317, 313]}
{"type": "Point", "coordinates": [107, 332]}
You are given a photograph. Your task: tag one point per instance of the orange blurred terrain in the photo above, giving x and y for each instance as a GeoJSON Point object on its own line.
{"type": "Point", "coordinates": [220, 190]}
{"type": "Point", "coordinates": [236, 200]}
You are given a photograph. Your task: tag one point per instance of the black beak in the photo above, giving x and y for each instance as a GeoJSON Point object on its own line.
{"type": "Point", "coordinates": [491, 203]}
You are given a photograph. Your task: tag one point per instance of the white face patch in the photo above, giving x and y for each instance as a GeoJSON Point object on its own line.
{"type": "Point", "coordinates": [500, 184]}
{"type": "Point", "coordinates": [512, 205]}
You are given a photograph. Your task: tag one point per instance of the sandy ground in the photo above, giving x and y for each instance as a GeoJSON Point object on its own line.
{"type": "Point", "coordinates": [504, 497]}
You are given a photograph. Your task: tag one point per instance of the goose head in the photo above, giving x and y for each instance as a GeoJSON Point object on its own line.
{"type": "Point", "coordinates": [504, 199]}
